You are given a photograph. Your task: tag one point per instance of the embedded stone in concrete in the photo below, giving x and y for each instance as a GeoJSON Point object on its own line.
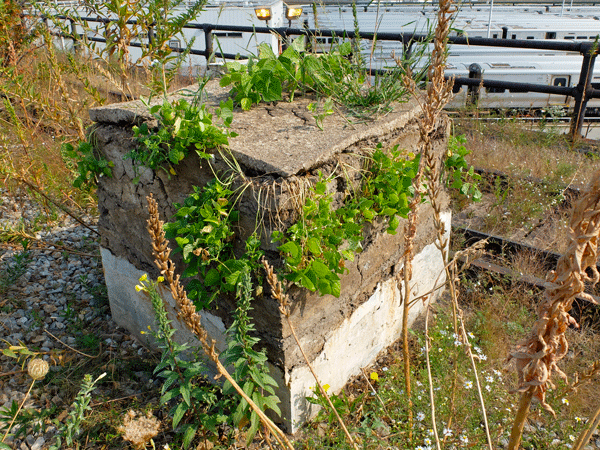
{"type": "Point", "coordinates": [280, 152]}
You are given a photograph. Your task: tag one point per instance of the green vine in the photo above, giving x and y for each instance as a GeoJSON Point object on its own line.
{"type": "Point", "coordinates": [316, 247]}
{"type": "Point", "coordinates": [90, 167]}
{"type": "Point", "coordinates": [182, 126]}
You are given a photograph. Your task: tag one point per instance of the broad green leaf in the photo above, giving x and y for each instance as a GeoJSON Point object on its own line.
{"type": "Point", "coordinates": [188, 435]}
{"type": "Point", "coordinates": [314, 246]}
{"type": "Point", "coordinates": [246, 103]}
{"type": "Point", "coordinates": [180, 411]}
{"type": "Point", "coordinates": [290, 247]}
{"type": "Point", "coordinates": [320, 269]}
{"type": "Point", "coordinates": [212, 278]}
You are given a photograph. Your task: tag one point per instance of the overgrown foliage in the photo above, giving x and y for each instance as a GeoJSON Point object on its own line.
{"type": "Point", "coordinates": [331, 75]}
{"type": "Point", "coordinates": [182, 126]}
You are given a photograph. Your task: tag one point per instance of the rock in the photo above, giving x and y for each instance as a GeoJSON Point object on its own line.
{"type": "Point", "coordinates": [38, 444]}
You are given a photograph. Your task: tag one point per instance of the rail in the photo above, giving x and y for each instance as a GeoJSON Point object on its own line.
{"type": "Point", "coordinates": [582, 92]}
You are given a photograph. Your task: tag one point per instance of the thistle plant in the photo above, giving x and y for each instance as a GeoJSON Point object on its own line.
{"type": "Point", "coordinates": [37, 369]}
{"type": "Point", "coordinates": [538, 356]}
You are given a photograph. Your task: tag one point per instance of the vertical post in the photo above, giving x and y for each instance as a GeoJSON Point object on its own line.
{"type": "Point", "coordinates": [150, 34]}
{"type": "Point", "coordinates": [583, 87]}
{"type": "Point", "coordinates": [75, 36]}
{"type": "Point", "coordinates": [208, 45]}
{"type": "Point", "coordinates": [473, 91]}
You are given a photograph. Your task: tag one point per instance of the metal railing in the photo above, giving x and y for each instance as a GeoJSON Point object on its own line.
{"type": "Point", "coordinates": [582, 92]}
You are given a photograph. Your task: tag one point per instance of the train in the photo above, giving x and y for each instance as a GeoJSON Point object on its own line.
{"type": "Point", "coordinates": [549, 23]}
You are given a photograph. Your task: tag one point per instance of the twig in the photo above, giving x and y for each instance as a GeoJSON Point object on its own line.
{"type": "Point", "coordinates": [71, 348]}
{"type": "Point", "coordinates": [430, 378]}
{"type": "Point", "coordinates": [587, 433]}
{"type": "Point", "coordinates": [375, 392]}
{"type": "Point", "coordinates": [56, 203]}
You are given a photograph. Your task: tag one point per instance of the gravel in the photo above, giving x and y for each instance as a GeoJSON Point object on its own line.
{"type": "Point", "coordinates": [53, 301]}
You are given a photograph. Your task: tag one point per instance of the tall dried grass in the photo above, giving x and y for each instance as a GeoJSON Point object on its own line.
{"type": "Point", "coordinates": [538, 356]}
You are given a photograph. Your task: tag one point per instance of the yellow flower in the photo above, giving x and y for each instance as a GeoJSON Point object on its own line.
{"type": "Point", "coordinates": [326, 387]}
{"type": "Point", "coordinates": [374, 376]}
{"type": "Point", "coordinates": [138, 288]}
{"type": "Point", "coordinates": [160, 279]}
{"type": "Point", "coordinates": [143, 278]}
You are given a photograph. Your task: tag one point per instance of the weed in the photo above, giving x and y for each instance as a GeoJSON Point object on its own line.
{"type": "Point", "coordinates": [181, 126]}
{"type": "Point", "coordinates": [14, 269]}
{"type": "Point", "coordinates": [70, 429]}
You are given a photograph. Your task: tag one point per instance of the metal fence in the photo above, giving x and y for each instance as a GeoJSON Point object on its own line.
{"type": "Point", "coordinates": [582, 92]}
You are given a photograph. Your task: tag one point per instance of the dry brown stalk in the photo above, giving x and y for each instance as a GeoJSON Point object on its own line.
{"type": "Point", "coordinates": [585, 377]}
{"type": "Point", "coordinates": [438, 94]}
{"type": "Point", "coordinates": [284, 308]}
{"type": "Point", "coordinates": [187, 312]}
{"type": "Point", "coordinates": [430, 378]}
{"type": "Point", "coordinates": [537, 357]}
{"type": "Point", "coordinates": [587, 433]}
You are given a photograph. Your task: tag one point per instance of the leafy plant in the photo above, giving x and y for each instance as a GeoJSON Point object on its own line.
{"type": "Point", "coordinates": [13, 270]}
{"type": "Point", "coordinates": [249, 364]}
{"type": "Point", "coordinates": [182, 126]}
{"type": "Point", "coordinates": [460, 174]}
{"type": "Point", "coordinates": [90, 166]}
{"type": "Point", "coordinates": [342, 403]}
{"type": "Point", "coordinates": [28, 421]}
{"type": "Point", "coordinates": [331, 75]}
{"type": "Point", "coordinates": [70, 429]}
{"type": "Point", "coordinates": [163, 21]}
{"type": "Point", "coordinates": [192, 400]}
{"type": "Point", "coordinates": [264, 79]}
{"type": "Point", "coordinates": [318, 244]}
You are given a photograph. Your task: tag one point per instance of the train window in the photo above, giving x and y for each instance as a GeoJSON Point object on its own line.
{"type": "Point", "coordinates": [234, 35]}
{"type": "Point", "coordinates": [495, 90]}
{"type": "Point", "coordinates": [514, 36]}
{"type": "Point", "coordinates": [581, 37]}
{"type": "Point", "coordinates": [569, 37]}
{"type": "Point", "coordinates": [551, 35]}
{"type": "Point", "coordinates": [596, 85]}
{"type": "Point", "coordinates": [530, 37]}
{"type": "Point", "coordinates": [560, 81]}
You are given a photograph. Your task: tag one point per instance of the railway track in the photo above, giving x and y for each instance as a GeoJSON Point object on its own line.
{"type": "Point", "coordinates": [500, 253]}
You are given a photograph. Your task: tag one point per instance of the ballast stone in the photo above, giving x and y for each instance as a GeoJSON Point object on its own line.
{"type": "Point", "coordinates": [280, 150]}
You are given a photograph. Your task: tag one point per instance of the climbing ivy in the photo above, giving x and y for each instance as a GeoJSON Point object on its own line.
{"type": "Point", "coordinates": [202, 227]}
{"type": "Point", "coordinates": [316, 247]}
{"type": "Point", "coordinates": [182, 126]}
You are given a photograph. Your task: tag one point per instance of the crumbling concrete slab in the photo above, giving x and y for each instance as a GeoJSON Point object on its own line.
{"type": "Point", "coordinates": [280, 151]}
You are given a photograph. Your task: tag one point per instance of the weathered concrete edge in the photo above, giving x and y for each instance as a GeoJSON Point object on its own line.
{"type": "Point", "coordinates": [375, 132]}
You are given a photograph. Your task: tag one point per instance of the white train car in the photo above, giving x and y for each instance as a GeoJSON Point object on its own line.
{"type": "Point", "coordinates": [548, 69]}
{"type": "Point", "coordinates": [219, 12]}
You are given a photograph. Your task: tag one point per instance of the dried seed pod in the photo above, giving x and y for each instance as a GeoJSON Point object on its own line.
{"type": "Point", "coordinates": [37, 368]}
